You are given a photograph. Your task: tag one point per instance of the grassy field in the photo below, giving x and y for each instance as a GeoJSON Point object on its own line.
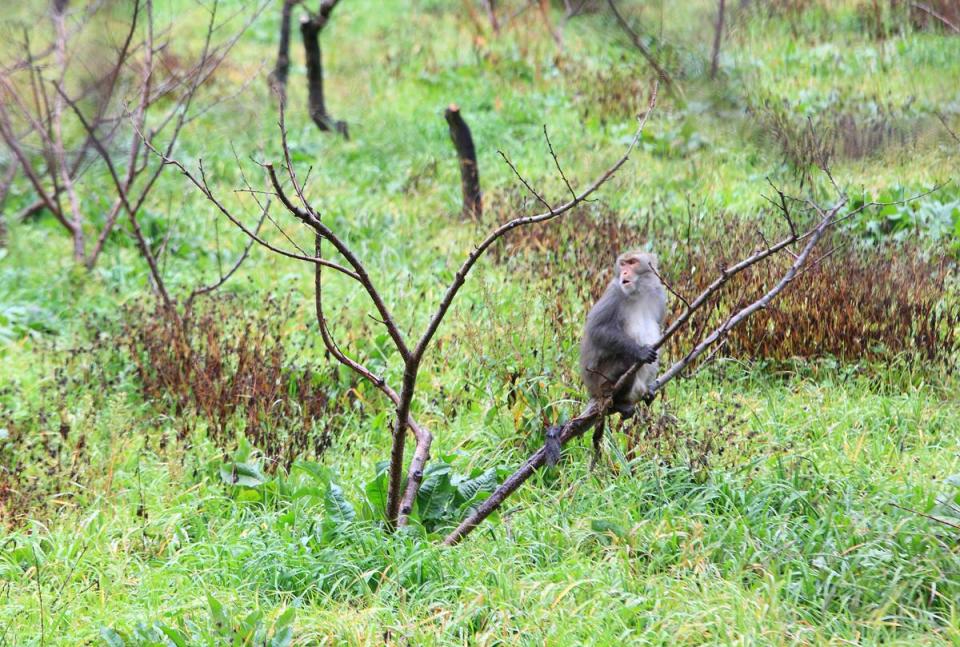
{"type": "Point", "coordinates": [803, 500]}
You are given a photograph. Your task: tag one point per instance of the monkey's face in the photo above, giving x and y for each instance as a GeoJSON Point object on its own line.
{"type": "Point", "coordinates": [635, 269]}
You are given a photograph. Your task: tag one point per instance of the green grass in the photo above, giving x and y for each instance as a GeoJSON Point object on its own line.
{"type": "Point", "coordinates": [789, 537]}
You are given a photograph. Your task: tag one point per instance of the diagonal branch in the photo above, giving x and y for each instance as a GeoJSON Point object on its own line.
{"type": "Point", "coordinates": [310, 218]}
{"type": "Point", "coordinates": [201, 184]}
{"type": "Point", "coordinates": [635, 39]}
{"type": "Point", "coordinates": [225, 276]}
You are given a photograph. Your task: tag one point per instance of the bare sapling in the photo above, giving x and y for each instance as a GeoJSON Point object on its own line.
{"type": "Point", "coordinates": [288, 189]}
{"type": "Point", "coordinates": [49, 94]}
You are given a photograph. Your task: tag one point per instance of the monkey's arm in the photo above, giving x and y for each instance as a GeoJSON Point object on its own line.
{"type": "Point", "coordinates": [615, 342]}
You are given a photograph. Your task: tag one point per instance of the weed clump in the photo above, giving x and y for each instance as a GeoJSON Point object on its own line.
{"type": "Point", "coordinates": [814, 131]}
{"type": "Point", "coordinates": [39, 460]}
{"type": "Point", "coordinates": [852, 303]}
{"type": "Point", "coordinates": [226, 365]}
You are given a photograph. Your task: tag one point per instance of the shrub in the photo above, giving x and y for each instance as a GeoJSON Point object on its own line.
{"type": "Point", "coordinates": [226, 363]}
{"type": "Point", "coordinates": [854, 303]}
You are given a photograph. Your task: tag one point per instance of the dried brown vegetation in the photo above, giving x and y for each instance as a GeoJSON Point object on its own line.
{"type": "Point", "coordinates": [230, 367]}
{"type": "Point", "coordinates": [39, 459]}
{"type": "Point", "coordinates": [584, 244]}
{"type": "Point", "coordinates": [612, 92]}
{"type": "Point", "coordinates": [853, 303]}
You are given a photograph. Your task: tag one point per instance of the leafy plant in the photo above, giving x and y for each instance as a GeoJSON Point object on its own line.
{"type": "Point", "coordinates": [934, 222]}
{"type": "Point", "coordinates": [221, 628]}
{"type": "Point", "coordinates": [445, 495]}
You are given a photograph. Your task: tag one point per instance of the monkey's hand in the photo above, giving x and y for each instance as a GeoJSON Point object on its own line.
{"type": "Point", "coordinates": [645, 355]}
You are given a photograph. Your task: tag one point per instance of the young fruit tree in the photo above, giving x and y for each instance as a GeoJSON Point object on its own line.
{"type": "Point", "coordinates": [405, 481]}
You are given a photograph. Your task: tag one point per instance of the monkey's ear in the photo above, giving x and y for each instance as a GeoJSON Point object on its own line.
{"type": "Point", "coordinates": [652, 260]}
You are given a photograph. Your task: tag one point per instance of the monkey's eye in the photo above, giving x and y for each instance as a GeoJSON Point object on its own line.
{"type": "Point", "coordinates": [630, 261]}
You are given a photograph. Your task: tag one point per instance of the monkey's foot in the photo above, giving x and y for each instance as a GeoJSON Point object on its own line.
{"type": "Point", "coordinates": [625, 409]}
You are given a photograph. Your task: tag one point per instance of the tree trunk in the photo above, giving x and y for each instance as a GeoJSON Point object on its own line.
{"type": "Point", "coordinates": [469, 173]}
{"type": "Point", "coordinates": [717, 37]}
{"type": "Point", "coordinates": [310, 30]}
{"type": "Point", "coordinates": [278, 78]}
{"type": "Point", "coordinates": [5, 186]}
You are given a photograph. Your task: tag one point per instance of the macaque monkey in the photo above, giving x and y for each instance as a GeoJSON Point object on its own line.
{"type": "Point", "coordinates": [620, 332]}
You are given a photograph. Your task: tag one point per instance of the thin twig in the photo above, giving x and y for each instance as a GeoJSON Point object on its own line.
{"type": "Point", "coordinates": [525, 183]}
{"type": "Point", "coordinates": [557, 162]}
{"type": "Point", "coordinates": [926, 516]}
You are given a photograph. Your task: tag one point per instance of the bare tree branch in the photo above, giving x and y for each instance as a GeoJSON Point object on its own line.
{"type": "Point", "coordinates": [930, 11]}
{"type": "Point", "coordinates": [635, 39]}
{"type": "Point", "coordinates": [225, 276]}
{"type": "Point", "coordinates": [556, 162]}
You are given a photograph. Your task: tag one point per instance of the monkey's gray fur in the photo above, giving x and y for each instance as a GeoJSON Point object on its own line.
{"type": "Point", "coordinates": [620, 332]}
{"type": "Point", "coordinates": [621, 329]}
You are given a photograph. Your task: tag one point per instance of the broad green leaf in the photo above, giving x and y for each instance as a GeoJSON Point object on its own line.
{"type": "Point", "coordinates": [433, 502]}
{"type": "Point", "coordinates": [176, 637]}
{"type": "Point", "coordinates": [112, 638]}
{"type": "Point", "coordinates": [217, 613]}
{"type": "Point", "coordinates": [337, 507]}
{"type": "Point", "coordinates": [467, 489]}
{"type": "Point", "coordinates": [376, 493]}
{"type": "Point", "coordinates": [283, 630]}
{"type": "Point", "coordinates": [245, 474]}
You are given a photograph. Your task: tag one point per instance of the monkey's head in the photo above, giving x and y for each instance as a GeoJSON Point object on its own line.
{"type": "Point", "coordinates": [636, 269]}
